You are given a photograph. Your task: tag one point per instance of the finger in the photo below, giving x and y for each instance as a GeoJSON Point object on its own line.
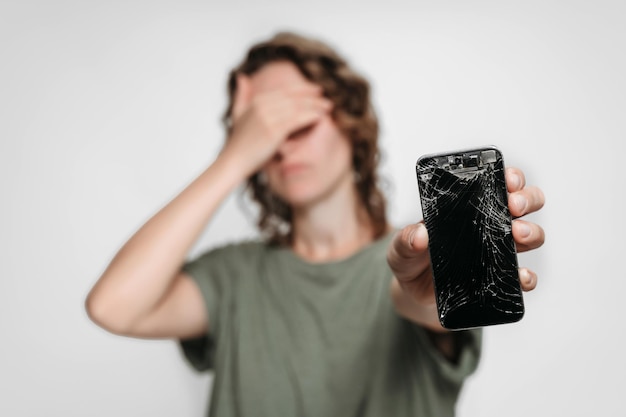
{"type": "Point", "coordinates": [293, 92]}
{"type": "Point", "coordinates": [305, 88]}
{"type": "Point", "coordinates": [243, 96]}
{"type": "Point", "coordinates": [515, 179]}
{"type": "Point", "coordinates": [283, 104]}
{"type": "Point", "coordinates": [527, 235]}
{"type": "Point", "coordinates": [313, 106]}
{"type": "Point", "coordinates": [527, 279]}
{"type": "Point", "coordinates": [527, 200]}
{"type": "Point", "coordinates": [319, 104]}
{"type": "Point", "coordinates": [298, 114]}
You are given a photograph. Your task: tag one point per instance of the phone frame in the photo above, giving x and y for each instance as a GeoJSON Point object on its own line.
{"type": "Point", "coordinates": [473, 257]}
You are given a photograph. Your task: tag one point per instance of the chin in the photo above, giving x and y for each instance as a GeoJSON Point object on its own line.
{"type": "Point", "coordinates": [299, 196]}
{"type": "Point", "coordinates": [297, 200]}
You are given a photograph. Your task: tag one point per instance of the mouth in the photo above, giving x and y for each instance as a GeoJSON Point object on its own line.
{"type": "Point", "coordinates": [287, 170]}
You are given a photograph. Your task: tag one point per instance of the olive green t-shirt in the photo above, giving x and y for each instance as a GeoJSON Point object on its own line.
{"type": "Point", "coordinates": [293, 338]}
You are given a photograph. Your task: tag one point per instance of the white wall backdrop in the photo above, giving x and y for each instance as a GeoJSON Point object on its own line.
{"type": "Point", "coordinates": [107, 109]}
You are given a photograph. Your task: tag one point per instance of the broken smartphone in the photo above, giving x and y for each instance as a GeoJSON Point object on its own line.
{"type": "Point", "coordinates": [472, 251]}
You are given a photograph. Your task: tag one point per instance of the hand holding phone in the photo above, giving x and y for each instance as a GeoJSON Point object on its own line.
{"type": "Point", "coordinates": [472, 251]}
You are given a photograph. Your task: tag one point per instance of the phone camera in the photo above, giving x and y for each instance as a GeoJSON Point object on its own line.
{"type": "Point", "coordinates": [470, 161]}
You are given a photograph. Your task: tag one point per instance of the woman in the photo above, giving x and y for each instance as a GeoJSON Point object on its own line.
{"type": "Point", "coordinates": [310, 320]}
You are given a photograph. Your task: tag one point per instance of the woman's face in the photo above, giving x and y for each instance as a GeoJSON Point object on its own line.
{"type": "Point", "coordinates": [312, 163]}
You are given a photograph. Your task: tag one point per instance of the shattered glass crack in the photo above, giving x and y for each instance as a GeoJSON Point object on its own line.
{"type": "Point", "coordinates": [471, 244]}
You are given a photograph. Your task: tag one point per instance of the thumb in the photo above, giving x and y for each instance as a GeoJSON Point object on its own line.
{"type": "Point", "coordinates": [408, 252]}
{"type": "Point", "coordinates": [412, 240]}
{"type": "Point", "coordinates": [243, 95]}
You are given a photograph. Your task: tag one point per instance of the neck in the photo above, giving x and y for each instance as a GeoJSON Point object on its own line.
{"type": "Point", "coordinates": [333, 228]}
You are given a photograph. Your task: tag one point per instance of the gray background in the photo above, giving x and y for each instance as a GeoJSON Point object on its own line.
{"type": "Point", "coordinates": [107, 109]}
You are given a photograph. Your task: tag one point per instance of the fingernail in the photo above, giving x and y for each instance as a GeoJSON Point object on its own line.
{"type": "Point", "coordinates": [524, 229]}
{"type": "Point", "coordinates": [517, 181]}
{"type": "Point", "coordinates": [524, 276]}
{"type": "Point", "coordinates": [420, 232]}
{"type": "Point", "coordinates": [519, 202]}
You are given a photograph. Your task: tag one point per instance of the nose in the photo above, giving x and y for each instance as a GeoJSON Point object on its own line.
{"type": "Point", "coordinates": [286, 148]}
{"type": "Point", "coordinates": [293, 141]}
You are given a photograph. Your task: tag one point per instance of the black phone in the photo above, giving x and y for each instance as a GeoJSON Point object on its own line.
{"type": "Point", "coordinates": [472, 251]}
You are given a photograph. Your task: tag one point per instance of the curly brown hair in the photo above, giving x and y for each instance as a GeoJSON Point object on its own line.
{"type": "Point", "coordinates": [352, 112]}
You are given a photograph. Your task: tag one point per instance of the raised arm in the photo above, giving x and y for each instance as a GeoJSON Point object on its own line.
{"type": "Point", "coordinates": [142, 292]}
{"type": "Point", "coordinates": [131, 297]}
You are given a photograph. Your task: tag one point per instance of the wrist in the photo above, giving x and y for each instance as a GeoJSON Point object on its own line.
{"type": "Point", "coordinates": [233, 166]}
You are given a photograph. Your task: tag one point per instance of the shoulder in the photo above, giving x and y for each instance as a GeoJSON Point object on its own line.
{"type": "Point", "coordinates": [235, 249]}
{"type": "Point", "coordinates": [226, 257]}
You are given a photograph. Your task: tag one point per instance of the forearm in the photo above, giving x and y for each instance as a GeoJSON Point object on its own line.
{"type": "Point", "coordinates": [142, 271]}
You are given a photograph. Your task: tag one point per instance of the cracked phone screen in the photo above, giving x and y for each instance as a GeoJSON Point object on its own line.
{"type": "Point", "coordinates": [472, 251]}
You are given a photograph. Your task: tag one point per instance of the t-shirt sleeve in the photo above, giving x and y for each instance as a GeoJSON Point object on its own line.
{"type": "Point", "coordinates": [210, 273]}
{"type": "Point", "coordinates": [468, 359]}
